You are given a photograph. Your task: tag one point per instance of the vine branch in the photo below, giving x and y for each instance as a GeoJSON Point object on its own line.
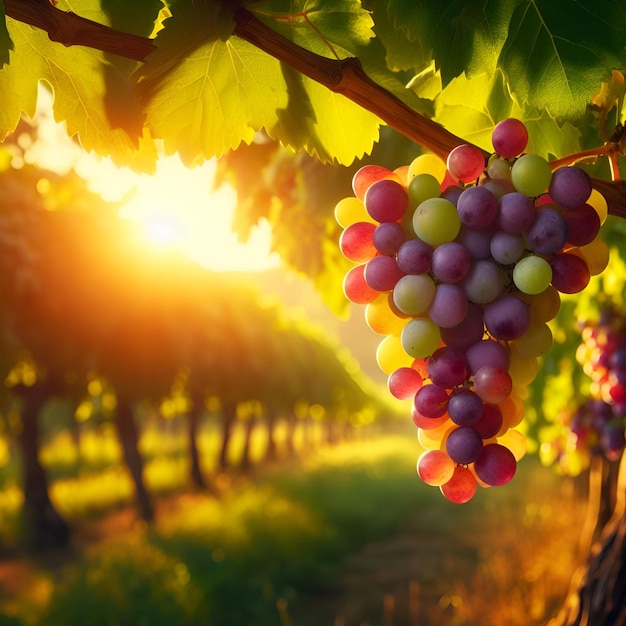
{"type": "Point", "coordinates": [345, 77]}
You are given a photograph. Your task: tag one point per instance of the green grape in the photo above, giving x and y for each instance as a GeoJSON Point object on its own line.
{"type": "Point", "coordinates": [532, 274]}
{"type": "Point", "coordinates": [531, 175]}
{"type": "Point", "coordinates": [423, 187]}
{"type": "Point", "coordinates": [413, 293]}
{"type": "Point", "coordinates": [436, 221]}
{"type": "Point", "coordinates": [420, 337]}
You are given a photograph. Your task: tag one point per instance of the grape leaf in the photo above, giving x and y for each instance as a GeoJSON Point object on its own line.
{"type": "Point", "coordinates": [557, 53]}
{"type": "Point", "coordinates": [204, 95]}
{"type": "Point", "coordinates": [471, 108]}
{"type": "Point", "coordinates": [463, 36]}
{"type": "Point", "coordinates": [6, 44]}
{"type": "Point", "coordinates": [77, 75]}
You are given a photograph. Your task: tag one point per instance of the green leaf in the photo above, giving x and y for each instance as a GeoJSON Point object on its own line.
{"type": "Point", "coordinates": [327, 27]}
{"type": "Point", "coordinates": [470, 108]}
{"type": "Point", "coordinates": [6, 44]}
{"type": "Point", "coordinates": [558, 53]}
{"type": "Point", "coordinates": [78, 78]}
{"type": "Point", "coordinates": [463, 36]}
{"type": "Point", "coordinates": [203, 95]}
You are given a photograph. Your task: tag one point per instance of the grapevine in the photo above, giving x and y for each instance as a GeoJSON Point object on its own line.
{"type": "Point", "coordinates": [460, 265]}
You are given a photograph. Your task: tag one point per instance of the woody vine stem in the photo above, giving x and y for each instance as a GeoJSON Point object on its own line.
{"type": "Point", "coordinates": [345, 76]}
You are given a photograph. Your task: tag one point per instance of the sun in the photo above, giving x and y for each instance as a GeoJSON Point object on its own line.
{"type": "Point", "coordinates": [177, 206]}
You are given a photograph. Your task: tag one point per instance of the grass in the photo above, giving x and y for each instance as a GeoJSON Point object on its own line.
{"type": "Point", "coordinates": [336, 538]}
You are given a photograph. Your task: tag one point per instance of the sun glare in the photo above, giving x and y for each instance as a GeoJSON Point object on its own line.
{"type": "Point", "coordinates": [177, 206]}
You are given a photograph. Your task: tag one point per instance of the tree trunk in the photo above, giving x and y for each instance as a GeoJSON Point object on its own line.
{"type": "Point", "coordinates": [229, 414]}
{"type": "Point", "coordinates": [271, 452]}
{"type": "Point", "coordinates": [193, 421]}
{"type": "Point", "coordinates": [246, 453]}
{"type": "Point", "coordinates": [45, 528]}
{"type": "Point", "coordinates": [598, 595]}
{"type": "Point", "coordinates": [127, 434]}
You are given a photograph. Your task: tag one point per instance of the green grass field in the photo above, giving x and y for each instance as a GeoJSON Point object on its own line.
{"type": "Point", "coordinates": [347, 536]}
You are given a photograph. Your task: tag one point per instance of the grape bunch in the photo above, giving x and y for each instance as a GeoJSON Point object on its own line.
{"type": "Point", "coordinates": [598, 423]}
{"type": "Point", "coordinates": [460, 266]}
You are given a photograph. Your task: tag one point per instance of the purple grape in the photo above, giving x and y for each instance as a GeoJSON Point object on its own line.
{"type": "Point", "coordinates": [464, 445]}
{"type": "Point", "coordinates": [484, 282]}
{"type": "Point", "coordinates": [612, 439]}
{"type": "Point", "coordinates": [467, 332]}
{"type": "Point", "coordinates": [448, 307]}
{"type": "Point", "coordinates": [386, 200]}
{"type": "Point", "coordinates": [548, 233]}
{"type": "Point", "coordinates": [447, 368]}
{"type": "Point", "coordinates": [490, 421]}
{"type": "Point", "coordinates": [452, 193]}
{"type": "Point", "coordinates": [477, 207]}
{"type": "Point", "coordinates": [516, 213]}
{"type": "Point", "coordinates": [487, 352]}
{"type": "Point", "coordinates": [583, 224]}
{"type": "Point", "coordinates": [414, 257]}
{"type": "Point", "coordinates": [431, 401]}
{"type": "Point", "coordinates": [506, 248]}
{"type": "Point", "coordinates": [507, 318]}
{"type": "Point", "coordinates": [382, 273]}
{"type": "Point", "coordinates": [570, 186]}
{"type": "Point", "coordinates": [388, 237]}
{"type": "Point", "coordinates": [496, 465]}
{"type": "Point", "coordinates": [465, 408]}
{"type": "Point", "coordinates": [451, 262]}
{"type": "Point", "coordinates": [477, 242]}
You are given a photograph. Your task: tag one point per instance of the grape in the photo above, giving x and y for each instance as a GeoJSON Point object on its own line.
{"type": "Point", "coordinates": [461, 487]}
{"type": "Point", "coordinates": [382, 273]}
{"type": "Point", "coordinates": [450, 262]}
{"type": "Point", "coordinates": [545, 305]}
{"type": "Point", "coordinates": [548, 233]}
{"type": "Point", "coordinates": [493, 384]}
{"type": "Point", "coordinates": [496, 465]}
{"type": "Point", "coordinates": [536, 341]}
{"type": "Point", "coordinates": [422, 187]}
{"type": "Point", "coordinates": [449, 306]}
{"type": "Point", "coordinates": [595, 254]}
{"type": "Point", "coordinates": [506, 248]}
{"type": "Point", "coordinates": [356, 242]}
{"type": "Point", "coordinates": [436, 221]}
{"type": "Point", "coordinates": [404, 383]}
{"type": "Point", "coordinates": [390, 354]}
{"type": "Point", "coordinates": [466, 163]}
{"type": "Point", "coordinates": [531, 175]}
{"type": "Point", "coordinates": [388, 237]}
{"type": "Point", "coordinates": [498, 186]}
{"type": "Point", "coordinates": [509, 138]}
{"type": "Point", "coordinates": [516, 213]}
{"type": "Point", "coordinates": [349, 211]}
{"type": "Point", "coordinates": [487, 352]}
{"type": "Point", "coordinates": [477, 207]}
{"type": "Point", "coordinates": [570, 186]}
{"type": "Point", "coordinates": [477, 242]}
{"type": "Point", "coordinates": [369, 174]}
{"type": "Point", "coordinates": [381, 317]}
{"type": "Point", "coordinates": [427, 164]}
{"type": "Point", "coordinates": [435, 467]}
{"type": "Point", "coordinates": [515, 442]}
{"type": "Point", "coordinates": [447, 368]}
{"type": "Point", "coordinates": [465, 407]}
{"type": "Point", "coordinates": [484, 282]}
{"type": "Point", "coordinates": [414, 256]}
{"type": "Point", "coordinates": [498, 169]}
{"type": "Point", "coordinates": [490, 421]}
{"type": "Point", "coordinates": [598, 202]}
{"type": "Point", "coordinates": [464, 445]}
{"type": "Point", "coordinates": [467, 332]}
{"type": "Point", "coordinates": [386, 200]}
{"type": "Point", "coordinates": [431, 401]}
{"type": "Point", "coordinates": [532, 275]}
{"type": "Point", "coordinates": [355, 288]}
{"type": "Point", "coordinates": [452, 193]}
{"type": "Point", "coordinates": [420, 337]}
{"type": "Point", "coordinates": [413, 293]}
{"type": "Point", "coordinates": [522, 369]}
{"type": "Point", "coordinates": [570, 273]}
{"type": "Point", "coordinates": [507, 318]}
{"type": "Point", "coordinates": [583, 224]}
{"type": "Point", "coordinates": [430, 424]}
